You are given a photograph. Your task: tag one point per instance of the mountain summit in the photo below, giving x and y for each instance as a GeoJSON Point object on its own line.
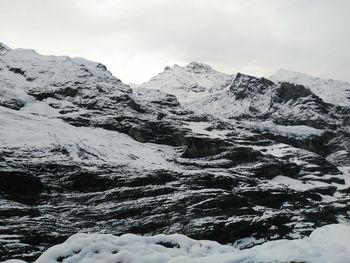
{"type": "Point", "coordinates": [189, 83]}
{"type": "Point", "coordinates": [200, 67]}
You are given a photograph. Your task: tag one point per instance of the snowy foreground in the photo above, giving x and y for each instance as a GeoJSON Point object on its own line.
{"type": "Point", "coordinates": [329, 244]}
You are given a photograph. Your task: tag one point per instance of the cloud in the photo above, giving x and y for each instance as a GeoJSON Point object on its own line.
{"type": "Point", "coordinates": [136, 39]}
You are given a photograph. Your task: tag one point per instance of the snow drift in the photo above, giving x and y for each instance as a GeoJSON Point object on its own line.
{"type": "Point", "coordinates": [329, 244]}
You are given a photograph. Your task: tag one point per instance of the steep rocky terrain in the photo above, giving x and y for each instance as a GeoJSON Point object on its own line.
{"type": "Point", "coordinates": [332, 91]}
{"type": "Point", "coordinates": [82, 152]}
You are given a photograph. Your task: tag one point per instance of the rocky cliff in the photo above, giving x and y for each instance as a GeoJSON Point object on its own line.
{"type": "Point", "coordinates": [82, 152]}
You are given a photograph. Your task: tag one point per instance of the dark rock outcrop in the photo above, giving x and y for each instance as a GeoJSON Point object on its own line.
{"type": "Point", "coordinates": [20, 186]}
{"type": "Point", "coordinates": [288, 91]}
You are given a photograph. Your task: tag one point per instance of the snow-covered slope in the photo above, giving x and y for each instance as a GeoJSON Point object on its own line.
{"type": "Point", "coordinates": [332, 91]}
{"type": "Point", "coordinates": [189, 83]}
{"type": "Point", "coordinates": [82, 152]}
{"type": "Point", "coordinates": [251, 98]}
{"type": "Point", "coordinates": [84, 145]}
{"type": "Point", "coordinates": [329, 244]}
{"type": "Point", "coordinates": [302, 101]}
{"type": "Point", "coordinates": [23, 70]}
{"type": "Point", "coordinates": [245, 96]}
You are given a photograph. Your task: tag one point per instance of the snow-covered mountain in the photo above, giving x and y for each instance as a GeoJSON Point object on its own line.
{"type": "Point", "coordinates": [243, 96]}
{"type": "Point", "coordinates": [331, 91]}
{"type": "Point", "coordinates": [234, 159]}
{"type": "Point", "coordinates": [305, 101]}
{"type": "Point", "coordinates": [189, 83]}
{"type": "Point", "coordinates": [250, 97]}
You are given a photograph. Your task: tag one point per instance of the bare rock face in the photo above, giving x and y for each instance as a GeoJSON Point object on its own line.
{"type": "Point", "coordinates": [86, 153]}
{"type": "Point", "coordinates": [245, 86]}
{"type": "Point", "coordinates": [288, 91]}
{"type": "Point", "coordinates": [12, 104]}
{"type": "Point", "coordinates": [19, 186]}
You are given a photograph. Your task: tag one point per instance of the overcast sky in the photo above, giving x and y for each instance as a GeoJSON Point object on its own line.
{"type": "Point", "coordinates": [137, 38]}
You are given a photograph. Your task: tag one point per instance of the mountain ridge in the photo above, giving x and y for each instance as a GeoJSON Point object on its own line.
{"type": "Point", "coordinates": [336, 92]}
{"type": "Point", "coordinates": [80, 151]}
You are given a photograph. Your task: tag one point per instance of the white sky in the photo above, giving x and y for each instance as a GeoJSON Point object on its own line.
{"type": "Point", "coordinates": [137, 38]}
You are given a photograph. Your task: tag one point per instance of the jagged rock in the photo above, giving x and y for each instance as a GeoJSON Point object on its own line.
{"type": "Point", "coordinates": [12, 104]}
{"type": "Point", "coordinates": [288, 91]}
{"type": "Point", "coordinates": [244, 86]}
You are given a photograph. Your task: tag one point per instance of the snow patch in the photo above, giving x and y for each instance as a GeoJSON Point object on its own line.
{"type": "Point", "coordinates": [296, 184]}
{"type": "Point", "coordinates": [28, 131]}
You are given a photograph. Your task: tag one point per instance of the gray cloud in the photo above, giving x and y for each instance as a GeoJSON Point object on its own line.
{"type": "Point", "coordinates": [137, 38]}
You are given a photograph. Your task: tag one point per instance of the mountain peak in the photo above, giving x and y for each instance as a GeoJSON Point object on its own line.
{"type": "Point", "coordinates": [189, 82]}
{"type": "Point", "coordinates": [198, 67]}
{"type": "Point", "coordinates": [194, 67]}
{"type": "Point", "coordinates": [288, 74]}
{"type": "Point", "coordinates": [195, 64]}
